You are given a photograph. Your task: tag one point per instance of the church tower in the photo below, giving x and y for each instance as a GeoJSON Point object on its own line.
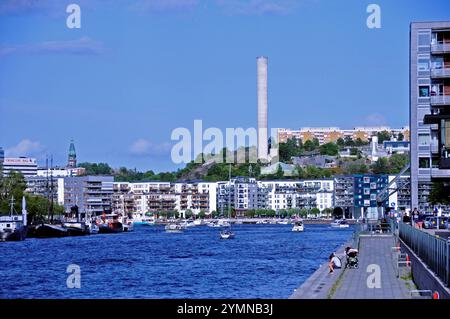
{"type": "Point", "coordinates": [72, 162]}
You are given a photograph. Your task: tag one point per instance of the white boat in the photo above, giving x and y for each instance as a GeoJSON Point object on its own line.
{"type": "Point", "coordinates": [226, 234]}
{"type": "Point", "coordinates": [14, 227]}
{"type": "Point", "coordinates": [298, 226]}
{"type": "Point", "coordinates": [173, 228]}
{"type": "Point", "coordinates": [283, 222]}
{"type": "Point", "coordinates": [223, 223]}
{"type": "Point", "coordinates": [214, 224]}
{"type": "Point", "coordinates": [339, 223]}
{"type": "Point", "coordinates": [199, 222]}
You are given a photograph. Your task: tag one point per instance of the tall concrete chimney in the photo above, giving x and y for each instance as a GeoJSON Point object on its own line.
{"type": "Point", "coordinates": [261, 64]}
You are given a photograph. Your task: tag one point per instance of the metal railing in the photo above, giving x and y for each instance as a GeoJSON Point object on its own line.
{"type": "Point", "coordinates": [433, 251]}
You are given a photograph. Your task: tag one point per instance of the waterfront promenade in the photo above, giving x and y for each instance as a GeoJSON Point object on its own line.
{"type": "Point", "coordinates": [374, 250]}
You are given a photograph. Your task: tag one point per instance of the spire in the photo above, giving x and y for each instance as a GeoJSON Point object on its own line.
{"type": "Point", "coordinates": [72, 162]}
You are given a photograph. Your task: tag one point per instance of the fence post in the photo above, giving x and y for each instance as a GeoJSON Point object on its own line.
{"type": "Point", "coordinates": [447, 264]}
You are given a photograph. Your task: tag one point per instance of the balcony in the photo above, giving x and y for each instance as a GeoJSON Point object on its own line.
{"type": "Point", "coordinates": [440, 73]}
{"type": "Point", "coordinates": [440, 47]}
{"type": "Point", "coordinates": [437, 100]}
{"type": "Point", "coordinates": [440, 172]}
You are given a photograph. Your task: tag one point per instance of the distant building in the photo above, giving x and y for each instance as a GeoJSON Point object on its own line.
{"type": "Point", "coordinates": [366, 189]}
{"type": "Point", "coordinates": [61, 172]}
{"type": "Point", "coordinates": [72, 158]}
{"type": "Point", "coordinates": [240, 194]}
{"type": "Point", "coordinates": [393, 147]}
{"type": "Point", "coordinates": [25, 165]}
{"type": "Point", "coordinates": [332, 134]}
{"type": "Point", "coordinates": [356, 195]}
{"type": "Point", "coordinates": [400, 199]}
{"type": "Point", "coordinates": [92, 194]}
{"type": "Point", "coordinates": [2, 155]}
{"type": "Point", "coordinates": [46, 187]}
{"type": "Point", "coordinates": [288, 169]}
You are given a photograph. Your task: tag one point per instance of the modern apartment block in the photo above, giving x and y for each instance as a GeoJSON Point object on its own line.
{"type": "Point", "coordinates": [400, 200]}
{"type": "Point", "coordinates": [429, 108]}
{"type": "Point", "coordinates": [332, 134]}
{"type": "Point", "coordinates": [240, 194]}
{"type": "Point", "coordinates": [92, 194]}
{"type": "Point", "coordinates": [355, 195]}
{"type": "Point", "coordinates": [51, 188]}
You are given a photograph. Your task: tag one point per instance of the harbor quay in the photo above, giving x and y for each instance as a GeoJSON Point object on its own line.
{"type": "Point", "coordinates": [398, 261]}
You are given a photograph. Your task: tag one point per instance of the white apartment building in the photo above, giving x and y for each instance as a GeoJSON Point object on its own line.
{"type": "Point", "coordinates": [299, 194]}
{"type": "Point", "coordinates": [25, 165]}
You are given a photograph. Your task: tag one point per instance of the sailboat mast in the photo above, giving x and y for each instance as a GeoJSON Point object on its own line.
{"type": "Point", "coordinates": [51, 188]}
{"type": "Point", "coordinates": [47, 187]}
{"type": "Point", "coordinates": [229, 192]}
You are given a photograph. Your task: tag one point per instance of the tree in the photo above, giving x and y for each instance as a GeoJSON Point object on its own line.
{"type": "Point", "coordinates": [188, 213]}
{"type": "Point", "coordinates": [303, 212]}
{"type": "Point", "coordinates": [330, 149]}
{"type": "Point", "coordinates": [440, 194]}
{"type": "Point", "coordinates": [397, 162]}
{"type": "Point", "coordinates": [202, 214]}
{"type": "Point", "coordinates": [250, 213]}
{"type": "Point", "coordinates": [280, 173]}
{"type": "Point", "coordinates": [381, 166]}
{"type": "Point", "coordinates": [289, 149]}
{"type": "Point", "coordinates": [328, 212]}
{"type": "Point", "coordinates": [383, 136]}
{"type": "Point", "coordinates": [340, 142]}
{"type": "Point", "coordinates": [12, 185]}
{"type": "Point", "coordinates": [400, 136]}
{"type": "Point", "coordinates": [348, 141]}
{"type": "Point", "coordinates": [315, 212]}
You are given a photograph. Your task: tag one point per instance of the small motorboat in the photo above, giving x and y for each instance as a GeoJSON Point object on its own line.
{"type": "Point", "coordinates": [339, 223]}
{"type": "Point", "coordinates": [173, 228]}
{"type": "Point", "coordinates": [298, 226]}
{"type": "Point", "coordinates": [226, 234]}
{"type": "Point", "coordinates": [283, 222]}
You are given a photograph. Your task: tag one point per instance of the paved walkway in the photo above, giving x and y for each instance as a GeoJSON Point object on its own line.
{"type": "Point", "coordinates": [373, 250]}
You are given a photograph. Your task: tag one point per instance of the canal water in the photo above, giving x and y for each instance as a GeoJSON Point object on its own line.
{"type": "Point", "coordinates": [262, 261]}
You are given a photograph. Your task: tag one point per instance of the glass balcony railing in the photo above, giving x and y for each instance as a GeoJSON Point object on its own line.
{"type": "Point", "coordinates": [440, 47]}
{"type": "Point", "coordinates": [440, 73]}
{"type": "Point", "coordinates": [440, 100]}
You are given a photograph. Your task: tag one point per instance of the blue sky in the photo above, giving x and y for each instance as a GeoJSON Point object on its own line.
{"type": "Point", "coordinates": [137, 69]}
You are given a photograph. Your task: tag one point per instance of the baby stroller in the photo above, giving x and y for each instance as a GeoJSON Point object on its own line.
{"type": "Point", "coordinates": [352, 258]}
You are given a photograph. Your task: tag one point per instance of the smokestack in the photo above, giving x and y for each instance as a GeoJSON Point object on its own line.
{"type": "Point", "coordinates": [261, 64]}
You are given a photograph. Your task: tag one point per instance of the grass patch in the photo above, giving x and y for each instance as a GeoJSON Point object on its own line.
{"type": "Point", "coordinates": [336, 285]}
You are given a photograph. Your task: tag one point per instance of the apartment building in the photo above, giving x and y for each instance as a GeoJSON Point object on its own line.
{"type": "Point", "coordinates": [332, 134]}
{"type": "Point", "coordinates": [400, 193]}
{"type": "Point", "coordinates": [239, 194]}
{"type": "Point", "coordinates": [51, 188]}
{"type": "Point", "coordinates": [298, 194]}
{"type": "Point", "coordinates": [92, 194]}
{"type": "Point", "coordinates": [429, 108]}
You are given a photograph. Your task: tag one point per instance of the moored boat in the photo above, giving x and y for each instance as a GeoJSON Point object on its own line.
{"type": "Point", "coordinates": [14, 227]}
{"type": "Point", "coordinates": [339, 223]}
{"type": "Point", "coordinates": [173, 228]}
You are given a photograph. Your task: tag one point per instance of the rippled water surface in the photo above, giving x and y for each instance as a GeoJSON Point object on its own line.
{"type": "Point", "coordinates": [263, 261]}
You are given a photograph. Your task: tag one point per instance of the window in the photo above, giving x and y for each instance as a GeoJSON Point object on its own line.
{"type": "Point", "coordinates": [424, 39]}
{"type": "Point", "coordinates": [373, 185]}
{"type": "Point", "coordinates": [423, 64]}
{"type": "Point", "coordinates": [366, 180]}
{"type": "Point", "coordinates": [424, 162]}
{"type": "Point", "coordinates": [366, 202]}
{"type": "Point", "coordinates": [423, 139]}
{"type": "Point", "coordinates": [373, 196]}
{"type": "Point", "coordinates": [366, 191]}
{"type": "Point", "coordinates": [424, 91]}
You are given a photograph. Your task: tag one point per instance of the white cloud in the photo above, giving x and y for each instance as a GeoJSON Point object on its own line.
{"type": "Point", "coordinates": [25, 147]}
{"type": "Point", "coordinates": [164, 5]}
{"type": "Point", "coordinates": [145, 147]}
{"type": "Point", "coordinates": [257, 7]}
{"type": "Point", "coordinates": [82, 46]}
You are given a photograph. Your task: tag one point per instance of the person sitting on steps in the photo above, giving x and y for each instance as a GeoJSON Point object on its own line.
{"type": "Point", "coordinates": [335, 262]}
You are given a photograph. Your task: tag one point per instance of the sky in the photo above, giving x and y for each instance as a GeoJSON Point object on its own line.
{"type": "Point", "coordinates": [138, 69]}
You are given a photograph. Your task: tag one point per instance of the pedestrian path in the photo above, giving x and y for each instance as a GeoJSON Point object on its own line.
{"type": "Point", "coordinates": [373, 250]}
